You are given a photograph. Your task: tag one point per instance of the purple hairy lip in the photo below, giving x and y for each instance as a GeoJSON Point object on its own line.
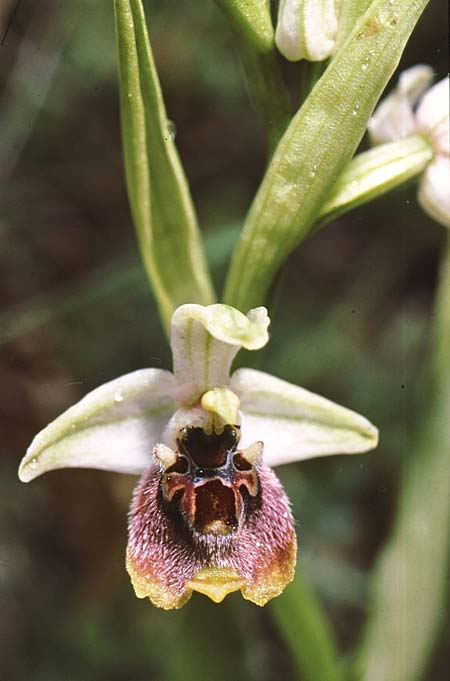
{"type": "Point", "coordinates": [233, 518]}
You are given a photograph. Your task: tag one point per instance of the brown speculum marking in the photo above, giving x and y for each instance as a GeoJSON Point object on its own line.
{"type": "Point", "coordinates": [210, 484]}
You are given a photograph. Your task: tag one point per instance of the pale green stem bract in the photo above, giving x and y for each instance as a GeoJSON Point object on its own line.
{"type": "Point", "coordinates": [307, 633]}
{"type": "Point", "coordinates": [318, 144]}
{"type": "Point", "coordinates": [159, 196]}
{"type": "Point", "coordinates": [374, 173]}
{"type": "Point", "coordinates": [410, 581]}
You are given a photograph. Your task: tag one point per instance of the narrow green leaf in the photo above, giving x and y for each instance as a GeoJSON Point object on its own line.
{"type": "Point", "coordinates": [317, 146]}
{"type": "Point", "coordinates": [159, 195]}
{"type": "Point", "coordinates": [307, 633]}
{"type": "Point", "coordinates": [251, 20]}
{"type": "Point", "coordinates": [374, 173]}
{"type": "Point", "coordinates": [411, 578]}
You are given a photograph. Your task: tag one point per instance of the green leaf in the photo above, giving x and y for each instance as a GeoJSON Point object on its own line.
{"type": "Point", "coordinates": [349, 13]}
{"type": "Point", "coordinates": [317, 146]}
{"type": "Point", "coordinates": [374, 173]}
{"type": "Point", "coordinates": [159, 195]}
{"type": "Point", "coordinates": [251, 20]}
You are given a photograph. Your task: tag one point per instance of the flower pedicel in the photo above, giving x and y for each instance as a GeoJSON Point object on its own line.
{"type": "Point", "coordinates": [208, 513]}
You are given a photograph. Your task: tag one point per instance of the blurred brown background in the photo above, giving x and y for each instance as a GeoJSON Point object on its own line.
{"type": "Point", "coordinates": [351, 321]}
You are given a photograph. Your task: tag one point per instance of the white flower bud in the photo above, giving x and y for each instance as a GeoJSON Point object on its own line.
{"type": "Point", "coordinates": [306, 29]}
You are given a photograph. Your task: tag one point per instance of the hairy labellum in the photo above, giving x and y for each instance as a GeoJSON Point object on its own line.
{"type": "Point", "coordinates": [214, 521]}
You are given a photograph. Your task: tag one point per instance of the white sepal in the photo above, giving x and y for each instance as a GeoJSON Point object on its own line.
{"type": "Point", "coordinates": [114, 427]}
{"type": "Point", "coordinates": [295, 424]}
{"type": "Point", "coordinates": [205, 340]}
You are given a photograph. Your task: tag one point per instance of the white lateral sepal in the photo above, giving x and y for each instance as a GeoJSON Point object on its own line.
{"type": "Point", "coordinates": [295, 424]}
{"type": "Point", "coordinates": [113, 428]}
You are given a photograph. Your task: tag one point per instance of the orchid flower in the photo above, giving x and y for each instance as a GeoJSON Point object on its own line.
{"type": "Point", "coordinates": [208, 513]}
{"type": "Point", "coordinates": [414, 108]}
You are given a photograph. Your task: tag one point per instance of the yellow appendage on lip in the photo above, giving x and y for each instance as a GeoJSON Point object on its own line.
{"type": "Point", "coordinates": [216, 583]}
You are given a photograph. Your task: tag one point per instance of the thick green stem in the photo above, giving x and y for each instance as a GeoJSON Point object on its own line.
{"type": "Point", "coordinates": [307, 633]}
{"type": "Point", "coordinates": [410, 581]}
{"type": "Point", "coordinates": [266, 90]}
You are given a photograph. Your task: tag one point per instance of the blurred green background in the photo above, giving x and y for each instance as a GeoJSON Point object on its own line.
{"type": "Point", "coordinates": [351, 320]}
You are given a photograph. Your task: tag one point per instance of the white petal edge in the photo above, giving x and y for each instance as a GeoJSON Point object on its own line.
{"type": "Point", "coordinates": [295, 424]}
{"type": "Point", "coordinates": [114, 427]}
{"type": "Point", "coordinates": [394, 118]}
{"type": "Point", "coordinates": [434, 190]}
{"type": "Point", "coordinates": [205, 340]}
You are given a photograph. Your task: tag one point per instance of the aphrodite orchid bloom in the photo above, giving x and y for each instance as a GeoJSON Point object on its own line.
{"type": "Point", "coordinates": [208, 513]}
{"type": "Point", "coordinates": [397, 117]}
{"type": "Point", "coordinates": [306, 29]}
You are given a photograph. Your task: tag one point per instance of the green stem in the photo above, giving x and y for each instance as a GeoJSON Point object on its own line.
{"type": "Point", "coordinates": [307, 633]}
{"type": "Point", "coordinates": [251, 23]}
{"type": "Point", "coordinates": [410, 580]}
{"type": "Point", "coordinates": [266, 89]}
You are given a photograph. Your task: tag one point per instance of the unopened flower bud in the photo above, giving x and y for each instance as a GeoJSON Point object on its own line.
{"type": "Point", "coordinates": [306, 29]}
